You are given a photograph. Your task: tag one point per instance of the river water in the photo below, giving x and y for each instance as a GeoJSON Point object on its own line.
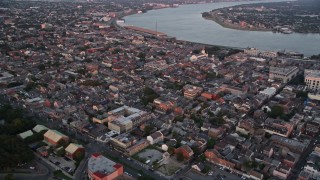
{"type": "Point", "coordinates": [186, 23]}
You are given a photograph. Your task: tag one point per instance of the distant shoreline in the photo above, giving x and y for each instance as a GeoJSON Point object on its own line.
{"type": "Point", "coordinates": [224, 24]}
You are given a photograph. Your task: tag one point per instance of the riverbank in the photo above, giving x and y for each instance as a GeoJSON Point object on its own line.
{"type": "Point", "coordinates": [222, 22]}
{"type": "Point", "coordinates": [185, 23]}
{"type": "Point", "coordinates": [282, 17]}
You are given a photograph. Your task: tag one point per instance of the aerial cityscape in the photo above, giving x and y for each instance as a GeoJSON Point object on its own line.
{"type": "Point", "coordinates": [87, 95]}
{"type": "Point", "coordinates": [285, 17]}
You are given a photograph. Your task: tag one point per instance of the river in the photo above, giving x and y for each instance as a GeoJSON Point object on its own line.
{"type": "Point", "coordinates": [186, 23]}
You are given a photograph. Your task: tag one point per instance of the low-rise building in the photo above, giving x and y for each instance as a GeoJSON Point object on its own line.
{"type": "Point", "coordinates": [72, 150]}
{"type": "Point", "coordinates": [292, 145]}
{"type": "Point", "coordinates": [186, 151]}
{"type": "Point", "coordinates": [268, 54]}
{"type": "Point", "coordinates": [26, 134]}
{"type": "Point", "coordinates": [155, 137]}
{"type": "Point", "coordinates": [102, 168]}
{"type": "Point", "coordinates": [268, 92]}
{"type": "Point", "coordinates": [163, 104]}
{"type": "Point", "coordinates": [312, 79]}
{"type": "Point", "coordinates": [245, 126]}
{"type": "Point", "coordinates": [216, 132]}
{"type": "Point", "coordinates": [279, 127]}
{"type": "Point", "coordinates": [54, 137]}
{"type": "Point", "coordinates": [214, 156]}
{"type": "Point", "coordinates": [38, 128]}
{"type": "Point", "coordinates": [283, 74]}
{"type": "Point", "coordinates": [252, 52]}
{"type": "Point", "coordinates": [191, 92]}
{"type": "Point", "coordinates": [126, 118]}
{"type": "Point", "coordinates": [137, 147]}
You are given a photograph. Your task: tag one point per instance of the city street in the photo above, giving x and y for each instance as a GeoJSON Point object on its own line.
{"type": "Point", "coordinates": [302, 160]}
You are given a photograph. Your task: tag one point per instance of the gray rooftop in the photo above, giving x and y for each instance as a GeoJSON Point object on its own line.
{"type": "Point", "coordinates": [101, 164]}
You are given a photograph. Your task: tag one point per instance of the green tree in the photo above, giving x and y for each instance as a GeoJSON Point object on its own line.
{"type": "Point", "coordinates": [170, 150]}
{"type": "Point", "coordinates": [91, 83]}
{"type": "Point", "coordinates": [251, 164]}
{"type": "Point", "coordinates": [41, 67]}
{"type": "Point", "coordinates": [62, 143]}
{"type": "Point", "coordinates": [178, 118]}
{"type": "Point", "coordinates": [302, 94]}
{"type": "Point", "coordinates": [35, 137]}
{"type": "Point", "coordinates": [78, 157]}
{"type": "Point", "coordinates": [202, 158]}
{"type": "Point", "coordinates": [206, 169]}
{"type": "Point", "coordinates": [61, 152]}
{"type": "Point", "coordinates": [142, 56]}
{"type": "Point", "coordinates": [196, 51]}
{"type": "Point", "coordinates": [13, 151]}
{"type": "Point", "coordinates": [148, 95]}
{"type": "Point", "coordinates": [211, 142]}
{"type": "Point", "coordinates": [267, 135]}
{"type": "Point", "coordinates": [196, 150]}
{"type": "Point", "coordinates": [148, 129]}
{"type": "Point", "coordinates": [261, 166]}
{"type": "Point", "coordinates": [145, 178]}
{"type": "Point", "coordinates": [8, 177]}
{"type": "Point", "coordinates": [30, 86]}
{"type": "Point", "coordinates": [276, 111]}
{"type": "Point", "coordinates": [81, 71]}
{"type": "Point", "coordinates": [161, 53]}
{"type": "Point", "coordinates": [216, 120]}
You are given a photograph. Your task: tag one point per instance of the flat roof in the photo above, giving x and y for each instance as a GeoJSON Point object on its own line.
{"type": "Point", "coordinates": [25, 134]}
{"type": "Point", "coordinates": [309, 73]}
{"type": "Point", "coordinates": [54, 135]}
{"type": "Point", "coordinates": [281, 70]}
{"type": "Point", "coordinates": [102, 165]}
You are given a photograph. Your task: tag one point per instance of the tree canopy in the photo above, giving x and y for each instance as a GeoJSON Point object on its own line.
{"type": "Point", "coordinates": [13, 151]}
{"type": "Point", "coordinates": [148, 95]}
{"type": "Point", "coordinates": [211, 143]}
{"type": "Point", "coordinates": [276, 111]}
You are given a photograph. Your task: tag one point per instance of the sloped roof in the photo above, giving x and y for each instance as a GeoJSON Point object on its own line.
{"type": "Point", "coordinates": [156, 135]}
{"type": "Point", "coordinates": [39, 128]}
{"type": "Point", "coordinates": [25, 134]}
{"type": "Point", "coordinates": [54, 135]}
{"type": "Point", "coordinates": [71, 148]}
{"type": "Point", "coordinates": [187, 149]}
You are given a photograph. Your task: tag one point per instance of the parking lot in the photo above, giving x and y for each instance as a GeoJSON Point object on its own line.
{"type": "Point", "coordinates": [150, 154]}
{"type": "Point", "coordinates": [63, 163]}
{"type": "Point", "coordinates": [222, 173]}
{"type": "Point", "coordinates": [215, 173]}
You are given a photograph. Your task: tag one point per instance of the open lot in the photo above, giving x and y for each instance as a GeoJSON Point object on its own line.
{"type": "Point", "coordinates": [170, 167]}
{"type": "Point", "coordinates": [149, 154]}
{"type": "Point", "coordinates": [216, 174]}
{"type": "Point", "coordinates": [63, 163]}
